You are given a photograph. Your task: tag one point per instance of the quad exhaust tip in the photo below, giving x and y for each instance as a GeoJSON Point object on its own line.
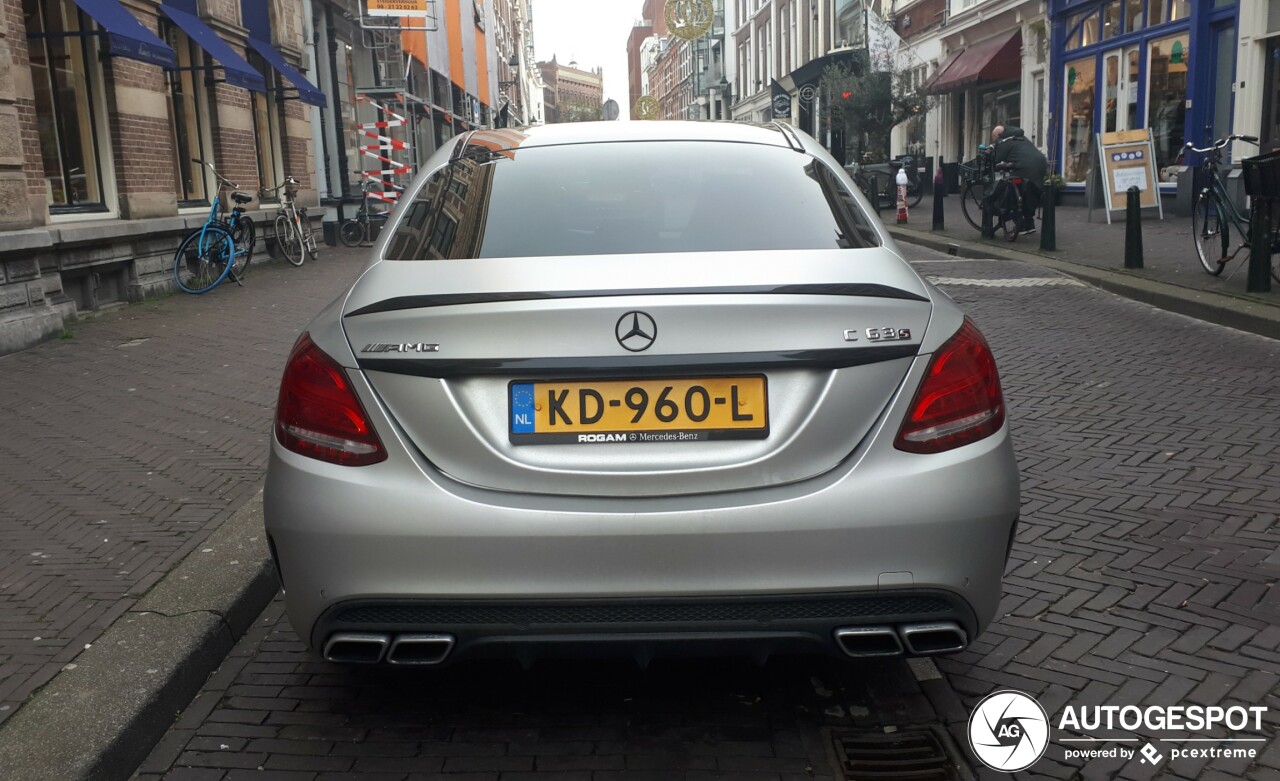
{"type": "Point", "coordinates": [356, 648]}
{"type": "Point", "coordinates": [420, 649]}
{"type": "Point", "coordinates": [927, 639]}
{"type": "Point", "coordinates": [862, 642]}
{"type": "Point", "coordinates": [939, 637]}
{"type": "Point", "coordinates": [371, 648]}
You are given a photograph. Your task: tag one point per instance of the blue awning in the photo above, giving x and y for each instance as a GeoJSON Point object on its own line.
{"type": "Point", "coordinates": [235, 70]}
{"type": "Point", "coordinates": [307, 91]}
{"type": "Point", "coordinates": [126, 37]}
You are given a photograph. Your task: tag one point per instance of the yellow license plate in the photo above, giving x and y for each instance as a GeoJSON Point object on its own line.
{"type": "Point", "coordinates": [636, 411]}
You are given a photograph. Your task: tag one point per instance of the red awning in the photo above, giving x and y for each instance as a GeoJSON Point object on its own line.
{"type": "Point", "coordinates": [997, 59]}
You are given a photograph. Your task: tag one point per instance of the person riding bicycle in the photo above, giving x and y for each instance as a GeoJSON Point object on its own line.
{"type": "Point", "coordinates": [1028, 163]}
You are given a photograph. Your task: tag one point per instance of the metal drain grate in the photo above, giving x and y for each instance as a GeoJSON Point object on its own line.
{"type": "Point", "coordinates": [906, 755]}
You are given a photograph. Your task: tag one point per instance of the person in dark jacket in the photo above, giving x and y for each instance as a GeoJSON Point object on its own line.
{"type": "Point", "coordinates": [1029, 163]}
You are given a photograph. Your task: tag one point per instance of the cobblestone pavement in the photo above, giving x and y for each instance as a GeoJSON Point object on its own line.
{"type": "Point", "coordinates": [1144, 574]}
{"type": "Point", "coordinates": [124, 445]}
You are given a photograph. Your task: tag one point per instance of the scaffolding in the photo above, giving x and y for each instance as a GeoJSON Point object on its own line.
{"type": "Point", "coordinates": [385, 144]}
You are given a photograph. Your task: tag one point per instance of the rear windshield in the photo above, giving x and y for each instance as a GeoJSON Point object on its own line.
{"type": "Point", "coordinates": [639, 197]}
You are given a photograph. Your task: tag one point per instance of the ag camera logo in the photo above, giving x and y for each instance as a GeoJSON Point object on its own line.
{"type": "Point", "coordinates": [1009, 731]}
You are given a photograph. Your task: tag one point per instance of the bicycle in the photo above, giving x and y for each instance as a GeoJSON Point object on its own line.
{"type": "Point", "coordinates": [886, 175]}
{"type": "Point", "coordinates": [359, 229]}
{"type": "Point", "coordinates": [979, 176]}
{"type": "Point", "coordinates": [292, 229]}
{"type": "Point", "coordinates": [219, 248]}
{"type": "Point", "coordinates": [1214, 215]}
{"type": "Point", "coordinates": [1007, 202]}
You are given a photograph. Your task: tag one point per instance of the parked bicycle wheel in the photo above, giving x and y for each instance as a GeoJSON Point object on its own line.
{"type": "Point", "coordinates": [289, 240]}
{"type": "Point", "coordinates": [1211, 234]}
{"type": "Point", "coordinates": [971, 203]}
{"type": "Point", "coordinates": [245, 236]}
{"type": "Point", "coordinates": [308, 236]}
{"type": "Point", "coordinates": [203, 259]}
{"type": "Point", "coordinates": [352, 232]}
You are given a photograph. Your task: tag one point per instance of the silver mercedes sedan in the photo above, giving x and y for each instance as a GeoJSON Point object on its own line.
{"type": "Point", "coordinates": [639, 388]}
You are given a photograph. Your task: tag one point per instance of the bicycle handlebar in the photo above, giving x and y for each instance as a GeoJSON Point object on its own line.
{"type": "Point", "coordinates": [222, 179]}
{"type": "Point", "coordinates": [1220, 144]}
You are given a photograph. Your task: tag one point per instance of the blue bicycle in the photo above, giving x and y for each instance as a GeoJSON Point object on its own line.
{"type": "Point", "coordinates": [219, 248]}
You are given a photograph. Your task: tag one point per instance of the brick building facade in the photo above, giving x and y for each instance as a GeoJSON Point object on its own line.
{"type": "Point", "coordinates": [101, 111]}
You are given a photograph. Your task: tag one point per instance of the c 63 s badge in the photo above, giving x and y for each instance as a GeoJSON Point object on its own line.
{"type": "Point", "coordinates": [403, 347]}
{"type": "Point", "coordinates": [880, 335]}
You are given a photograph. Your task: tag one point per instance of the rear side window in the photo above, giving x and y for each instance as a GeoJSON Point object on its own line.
{"type": "Point", "coordinates": [637, 197]}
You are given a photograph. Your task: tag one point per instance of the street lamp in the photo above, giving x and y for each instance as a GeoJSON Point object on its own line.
{"type": "Point", "coordinates": [726, 95]}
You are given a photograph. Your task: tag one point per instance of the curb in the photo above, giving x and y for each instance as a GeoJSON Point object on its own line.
{"type": "Point", "coordinates": [100, 716]}
{"type": "Point", "coordinates": [1244, 314]}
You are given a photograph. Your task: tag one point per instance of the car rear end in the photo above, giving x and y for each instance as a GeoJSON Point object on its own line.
{"type": "Point", "coordinates": [661, 395]}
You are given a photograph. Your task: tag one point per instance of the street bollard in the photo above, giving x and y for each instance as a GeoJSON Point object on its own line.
{"type": "Point", "coordinates": [1260, 247]}
{"type": "Point", "coordinates": [1133, 229]}
{"type": "Point", "coordinates": [939, 192]}
{"type": "Point", "coordinates": [902, 181]}
{"type": "Point", "coordinates": [1048, 218]}
{"type": "Point", "coordinates": [875, 194]}
{"type": "Point", "coordinates": [988, 229]}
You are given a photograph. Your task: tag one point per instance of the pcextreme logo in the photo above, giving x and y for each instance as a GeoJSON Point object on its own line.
{"type": "Point", "coordinates": [1010, 731]}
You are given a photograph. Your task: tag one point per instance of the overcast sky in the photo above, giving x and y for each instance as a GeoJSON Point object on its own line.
{"type": "Point", "coordinates": [593, 32]}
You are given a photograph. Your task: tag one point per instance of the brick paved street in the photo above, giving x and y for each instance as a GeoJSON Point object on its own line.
{"type": "Point", "coordinates": [126, 444]}
{"type": "Point", "coordinates": [1144, 573]}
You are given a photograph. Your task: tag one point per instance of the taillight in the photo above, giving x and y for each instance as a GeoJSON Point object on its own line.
{"type": "Point", "coordinates": [959, 401]}
{"type": "Point", "coordinates": [319, 415]}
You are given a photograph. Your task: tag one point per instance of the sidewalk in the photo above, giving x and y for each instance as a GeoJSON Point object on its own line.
{"type": "Point", "coordinates": [1171, 278]}
{"type": "Point", "coordinates": [129, 446]}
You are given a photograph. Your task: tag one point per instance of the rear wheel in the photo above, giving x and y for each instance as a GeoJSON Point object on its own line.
{"type": "Point", "coordinates": [971, 203]}
{"type": "Point", "coordinates": [915, 192]}
{"type": "Point", "coordinates": [352, 232]}
{"type": "Point", "coordinates": [288, 240]}
{"type": "Point", "coordinates": [245, 236]}
{"type": "Point", "coordinates": [308, 236]}
{"type": "Point", "coordinates": [1211, 234]}
{"type": "Point", "coordinates": [203, 259]}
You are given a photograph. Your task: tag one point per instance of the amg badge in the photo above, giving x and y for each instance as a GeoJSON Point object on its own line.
{"type": "Point", "coordinates": [406, 347]}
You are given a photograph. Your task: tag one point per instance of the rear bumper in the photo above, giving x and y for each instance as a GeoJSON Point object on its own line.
{"type": "Point", "coordinates": [641, 628]}
{"type": "Point", "coordinates": [400, 536]}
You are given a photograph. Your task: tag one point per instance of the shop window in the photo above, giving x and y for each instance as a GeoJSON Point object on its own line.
{"type": "Point", "coordinates": [1168, 64]}
{"type": "Point", "coordinates": [1168, 11]}
{"type": "Point", "coordinates": [1111, 20]}
{"type": "Point", "coordinates": [999, 108]}
{"type": "Point", "coordinates": [1224, 55]}
{"type": "Point", "coordinates": [1082, 30]}
{"type": "Point", "coordinates": [1133, 15]}
{"type": "Point", "coordinates": [346, 104]}
{"type": "Point", "coordinates": [1077, 138]}
{"type": "Point", "coordinates": [67, 77]}
{"type": "Point", "coordinates": [848, 23]}
{"type": "Point", "coordinates": [266, 126]}
{"type": "Point", "coordinates": [188, 98]}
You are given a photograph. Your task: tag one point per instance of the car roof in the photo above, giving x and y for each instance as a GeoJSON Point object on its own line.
{"type": "Point", "coordinates": [509, 139]}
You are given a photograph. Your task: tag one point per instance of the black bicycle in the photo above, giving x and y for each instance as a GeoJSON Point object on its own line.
{"type": "Point", "coordinates": [886, 177]}
{"type": "Point", "coordinates": [1007, 203]}
{"type": "Point", "coordinates": [979, 177]}
{"type": "Point", "coordinates": [1215, 214]}
{"type": "Point", "coordinates": [357, 230]}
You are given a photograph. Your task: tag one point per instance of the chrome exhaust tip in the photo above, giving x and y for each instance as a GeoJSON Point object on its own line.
{"type": "Point", "coordinates": [863, 642]}
{"type": "Point", "coordinates": [938, 637]}
{"type": "Point", "coordinates": [419, 649]}
{"type": "Point", "coordinates": [355, 648]}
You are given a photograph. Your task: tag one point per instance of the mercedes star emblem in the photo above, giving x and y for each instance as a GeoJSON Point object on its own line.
{"type": "Point", "coordinates": [636, 331]}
